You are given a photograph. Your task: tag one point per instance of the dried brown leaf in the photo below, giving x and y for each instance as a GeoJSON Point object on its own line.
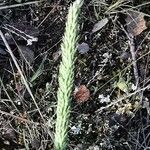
{"type": "Point", "coordinates": [82, 94]}
{"type": "Point", "coordinates": [135, 23]}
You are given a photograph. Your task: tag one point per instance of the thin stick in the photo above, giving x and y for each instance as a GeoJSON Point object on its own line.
{"type": "Point", "coordinates": [22, 34]}
{"type": "Point", "coordinates": [18, 5]}
{"type": "Point", "coordinates": [122, 98]}
{"type": "Point", "coordinates": [132, 51]}
{"type": "Point", "coordinates": [135, 68]}
{"type": "Point", "coordinates": [18, 118]}
{"type": "Point", "coordinates": [21, 74]}
{"type": "Point", "coordinates": [55, 6]}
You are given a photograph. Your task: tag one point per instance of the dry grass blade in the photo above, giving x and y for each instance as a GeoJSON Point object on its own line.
{"type": "Point", "coordinates": [49, 14]}
{"type": "Point", "coordinates": [116, 5]}
{"type": "Point", "coordinates": [39, 70]}
{"type": "Point", "coordinates": [19, 70]}
{"type": "Point", "coordinates": [18, 118]}
{"type": "Point", "coordinates": [12, 102]}
{"type": "Point", "coordinates": [18, 5]}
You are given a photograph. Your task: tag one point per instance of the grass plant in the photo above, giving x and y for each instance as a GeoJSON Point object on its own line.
{"type": "Point", "coordinates": [66, 75]}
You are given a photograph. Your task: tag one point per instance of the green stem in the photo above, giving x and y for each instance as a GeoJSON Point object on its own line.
{"type": "Point", "coordinates": [66, 75]}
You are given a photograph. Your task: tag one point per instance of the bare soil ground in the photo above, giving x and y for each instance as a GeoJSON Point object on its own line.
{"type": "Point", "coordinates": [110, 108]}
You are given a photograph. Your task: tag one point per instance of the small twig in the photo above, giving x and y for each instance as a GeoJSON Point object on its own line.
{"type": "Point", "coordinates": [18, 5]}
{"type": "Point", "coordinates": [135, 68]}
{"type": "Point", "coordinates": [22, 34]}
{"type": "Point", "coordinates": [133, 55]}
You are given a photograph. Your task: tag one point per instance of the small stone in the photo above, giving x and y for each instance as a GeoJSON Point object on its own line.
{"type": "Point", "coordinates": [83, 48]}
